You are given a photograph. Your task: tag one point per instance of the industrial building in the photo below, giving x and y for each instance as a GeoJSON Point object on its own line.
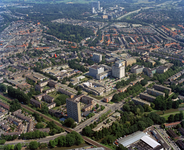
{"type": "Point", "coordinates": [97, 57]}
{"type": "Point", "coordinates": [118, 70]}
{"type": "Point", "coordinates": [161, 88]}
{"type": "Point", "coordinates": [160, 140]}
{"type": "Point", "coordinates": [139, 101]}
{"type": "Point", "coordinates": [155, 92]}
{"type": "Point", "coordinates": [140, 137]}
{"type": "Point", "coordinates": [147, 97]}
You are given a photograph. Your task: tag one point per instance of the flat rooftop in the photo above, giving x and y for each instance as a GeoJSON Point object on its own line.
{"type": "Point", "coordinates": [130, 139]}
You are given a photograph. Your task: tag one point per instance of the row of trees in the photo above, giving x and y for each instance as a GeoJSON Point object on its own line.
{"type": "Point", "coordinates": [162, 103]}
{"type": "Point", "coordinates": [54, 128]}
{"type": "Point", "coordinates": [33, 135]}
{"type": "Point", "coordinates": [71, 139]}
{"type": "Point", "coordinates": [16, 93]}
{"type": "Point", "coordinates": [13, 147]}
{"type": "Point", "coordinates": [164, 76]}
{"type": "Point", "coordinates": [124, 83]}
{"type": "Point", "coordinates": [176, 117]}
{"type": "Point", "coordinates": [132, 90]}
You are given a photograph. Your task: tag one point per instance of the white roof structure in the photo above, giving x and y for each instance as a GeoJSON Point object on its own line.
{"type": "Point", "coordinates": [130, 139]}
{"type": "Point", "coordinates": [80, 77]}
{"type": "Point", "coordinates": [150, 141]}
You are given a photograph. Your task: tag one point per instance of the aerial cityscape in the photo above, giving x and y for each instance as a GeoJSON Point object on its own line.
{"type": "Point", "coordinates": [92, 75]}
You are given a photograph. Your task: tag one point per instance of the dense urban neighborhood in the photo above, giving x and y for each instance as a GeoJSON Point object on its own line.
{"type": "Point", "coordinates": [95, 75]}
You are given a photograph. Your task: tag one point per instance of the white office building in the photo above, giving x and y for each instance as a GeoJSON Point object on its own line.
{"type": "Point", "coordinates": [118, 70]}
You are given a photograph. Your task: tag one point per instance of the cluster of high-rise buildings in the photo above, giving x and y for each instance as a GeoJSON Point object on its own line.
{"type": "Point", "coordinates": [96, 7]}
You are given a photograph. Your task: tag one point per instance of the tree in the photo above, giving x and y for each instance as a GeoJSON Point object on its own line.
{"type": "Point", "coordinates": [182, 124]}
{"type": "Point", "coordinates": [121, 147]}
{"type": "Point", "coordinates": [52, 143]}
{"type": "Point", "coordinates": [181, 115]}
{"type": "Point", "coordinates": [7, 147]}
{"type": "Point", "coordinates": [61, 99]}
{"type": "Point", "coordinates": [62, 141]}
{"type": "Point", "coordinates": [39, 125]}
{"type": "Point", "coordinates": [79, 93]}
{"type": "Point", "coordinates": [178, 126]}
{"type": "Point", "coordinates": [108, 139]}
{"type": "Point", "coordinates": [70, 122]}
{"type": "Point", "coordinates": [2, 141]}
{"type": "Point", "coordinates": [144, 82]}
{"type": "Point", "coordinates": [18, 146]}
{"type": "Point", "coordinates": [126, 107]}
{"type": "Point", "coordinates": [15, 105]}
{"type": "Point", "coordinates": [78, 137]}
{"type": "Point", "coordinates": [33, 145]}
{"type": "Point", "coordinates": [2, 88]}
{"type": "Point", "coordinates": [69, 140]}
{"type": "Point", "coordinates": [171, 118]}
{"type": "Point", "coordinates": [177, 117]}
{"type": "Point", "coordinates": [97, 106]}
{"type": "Point", "coordinates": [175, 104]}
{"type": "Point", "coordinates": [44, 109]}
{"type": "Point", "coordinates": [102, 107]}
{"type": "Point", "coordinates": [87, 131]}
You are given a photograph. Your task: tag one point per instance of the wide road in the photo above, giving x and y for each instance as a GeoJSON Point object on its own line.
{"type": "Point", "coordinates": [115, 106]}
{"type": "Point", "coordinates": [86, 139]}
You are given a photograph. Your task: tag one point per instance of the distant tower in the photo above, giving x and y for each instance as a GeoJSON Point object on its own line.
{"type": "Point", "coordinates": [93, 10]}
{"type": "Point", "coordinates": [98, 5]}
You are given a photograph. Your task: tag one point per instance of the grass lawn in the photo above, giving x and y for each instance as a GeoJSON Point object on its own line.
{"type": "Point", "coordinates": [46, 88]}
{"type": "Point", "coordinates": [173, 113]}
{"type": "Point", "coordinates": [4, 99]}
{"type": "Point", "coordinates": [56, 108]}
{"type": "Point", "coordinates": [167, 111]}
{"type": "Point", "coordinates": [181, 105]}
{"type": "Point", "coordinates": [97, 97]}
{"type": "Point", "coordinates": [84, 80]}
{"type": "Point", "coordinates": [111, 102]}
{"type": "Point", "coordinates": [54, 94]}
